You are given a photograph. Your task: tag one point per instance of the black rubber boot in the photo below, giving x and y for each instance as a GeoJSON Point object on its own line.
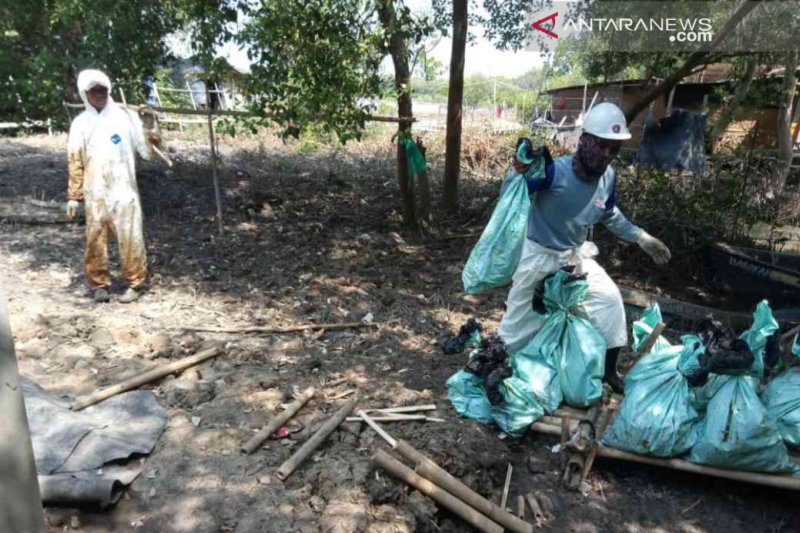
{"type": "Point", "coordinates": [612, 376]}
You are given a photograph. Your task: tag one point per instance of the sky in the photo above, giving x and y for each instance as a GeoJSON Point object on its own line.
{"type": "Point", "coordinates": [481, 57]}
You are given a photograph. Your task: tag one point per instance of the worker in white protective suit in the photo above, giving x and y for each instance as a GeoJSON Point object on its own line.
{"type": "Point", "coordinates": [102, 174]}
{"type": "Point", "coordinates": [572, 194]}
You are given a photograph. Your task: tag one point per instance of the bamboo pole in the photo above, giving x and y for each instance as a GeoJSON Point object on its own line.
{"type": "Point", "coordinates": [433, 472]}
{"type": "Point", "coordinates": [213, 142]}
{"type": "Point", "coordinates": [142, 379]}
{"type": "Point", "coordinates": [404, 409]}
{"type": "Point", "coordinates": [651, 340]}
{"type": "Point", "coordinates": [291, 464]}
{"type": "Point", "coordinates": [507, 486]}
{"type": "Point", "coordinates": [785, 481]}
{"type": "Point", "coordinates": [437, 494]}
{"type": "Point", "coordinates": [393, 418]}
{"type": "Point", "coordinates": [258, 439]}
{"type": "Point", "coordinates": [229, 113]}
{"type": "Point", "coordinates": [289, 329]}
{"type": "Point", "coordinates": [379, 430]}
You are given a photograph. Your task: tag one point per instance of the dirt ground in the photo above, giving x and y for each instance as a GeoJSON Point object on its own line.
{"type": "Point", "coordinates": [311, 235]}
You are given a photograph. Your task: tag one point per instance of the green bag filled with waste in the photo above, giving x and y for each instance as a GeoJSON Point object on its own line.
{"type": "Point", "coordinates": [495, 257]}
{"type": "Point", "coordinates": [541, 378]}
{"type": "Point", "coordinates": [465, 391]}
{"type": "Point", "coordinates": [781, 397]}
{"type": "Point", "coordinates": [738, 432]}
{"type": "Point", "coordinates": [519, 409]}
{"type": "Point", "coordinates": [568, 343]}
{"type": "Point", "coordinates": [656, 416]}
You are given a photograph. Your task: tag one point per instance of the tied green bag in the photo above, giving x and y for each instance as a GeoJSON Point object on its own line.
{"type": "Point", "coordinates": [495, 257]}
{"type": "Point", "coordinates": [656, 416]}
{"type": "Point", "coordinates": [781, 397]}
{"type": "Point", "coordinates": [738, 432]}
{"type": "Point", "coordinates": [568, 344]}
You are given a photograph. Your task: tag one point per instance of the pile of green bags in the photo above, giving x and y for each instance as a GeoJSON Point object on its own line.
{"type": "Point", "coordinates": [564, 361]}
{"type": "Point", "coordinates": [724, 423]}
{"type": "Point", "coordinates": [656, 416]}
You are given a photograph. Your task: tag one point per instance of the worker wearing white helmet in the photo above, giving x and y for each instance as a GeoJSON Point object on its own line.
{"type": "Point", "coordinates": [102, 173]}
{"type": "Point", "coordinates": [574, 193]}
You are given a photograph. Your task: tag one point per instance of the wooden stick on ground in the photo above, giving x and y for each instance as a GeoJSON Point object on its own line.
{"type": "Point", "coordinates": [288, 329]}
{"type": "Point", "coordinates": [784, 481]}
{"type": "Point", "coordinates": [507, 486]}
{"type": "Point", "coordinates": [437, 494]}
{"type": "Point", "coordinates": [392, 418]}
{"type": "Point", "coordinates": [521, 507]}
{"type": "Point", "coordinates": [142, 379]}
{"type": "Point", "coordinates": [291, 464]}
{"type": "Point", "coordinates": [405, 409]}
{"type": "Point", "coordinates": [536, 509]}
{"type": "Point", "coordinates": [273, 425]}
{"type": "Point", "coordinates": [436, 474]}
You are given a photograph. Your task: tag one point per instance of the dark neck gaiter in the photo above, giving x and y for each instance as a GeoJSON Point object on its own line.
{"type": "Point", "coordinates": [589, 163]}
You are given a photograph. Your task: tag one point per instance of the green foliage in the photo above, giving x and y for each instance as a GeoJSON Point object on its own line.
{"type": "Point", "coordinates": [44, 44]}
{"type": "Point", "coordinates": [315, 71]}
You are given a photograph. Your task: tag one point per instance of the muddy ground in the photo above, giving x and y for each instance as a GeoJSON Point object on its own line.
{"type": "Point", "coordinates": [311, 235]}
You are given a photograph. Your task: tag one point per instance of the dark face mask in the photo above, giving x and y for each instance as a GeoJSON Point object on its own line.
{"type": "Point", "coordinates": [593, 156]}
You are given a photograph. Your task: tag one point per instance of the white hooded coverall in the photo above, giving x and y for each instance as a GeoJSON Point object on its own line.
{"type": "Point", "coordinates": [102, 173]}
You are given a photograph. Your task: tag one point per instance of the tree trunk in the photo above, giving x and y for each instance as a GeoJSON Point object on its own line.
{"type": "Point", "coordinates": [402, 83]}
{"type": "Point", "coordinates": [724, 115]}
{"type": "Point", "coordinates": [455, 98]}
{"type": "Point", "coordinates": [701, 57]}
{"type": "Point", "coordinates": [784, 133]}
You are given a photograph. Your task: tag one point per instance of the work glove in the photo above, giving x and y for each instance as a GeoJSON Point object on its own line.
{"type": "Point", "coordinates": [653, 247]}
{"type": "Point", "coordinates": [72, 208]}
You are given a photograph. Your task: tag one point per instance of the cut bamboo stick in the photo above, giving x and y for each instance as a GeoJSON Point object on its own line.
{"type": "Point", "coordinates": [507, 486]}
{"type": "Point", "coordinates": [536, 509]}
{"type": "Point", "coordinates": [258, 439]}
{"type": "Point", "coordinates": [379, 430]}
{"type": "Point", "coordinates": [394, 418]}
{"type": "Point", "coordinates": [404, 409]}
{"type": "Point", "coordinates": [291, 464]}
{"type": "Point", "coordinates": [437, 494]}
{"type": "Point", "coordinates": [648, 344]}
{"type": "Point", "coordinates": [433, 472]}
{"type": "Point", "coordinates": [521, 507]}
{"type": "Point", "coordinates": [142, 379]}
{"type": "Point", "coordinates": [288, 329]}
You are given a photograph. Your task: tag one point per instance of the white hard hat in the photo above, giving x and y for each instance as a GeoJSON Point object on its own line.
{"type": "Point", "coordinates": [607, 121]}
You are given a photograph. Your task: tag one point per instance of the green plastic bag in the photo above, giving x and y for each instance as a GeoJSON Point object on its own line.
{"type": "Point", "coordinates": [567, 343]}
{"type": "Point", "coordinates": [495, 257]}
{"type": "Point", "coordinates": [519, 410]}
{"type": "Point", "coordinates": [656, 416]}
{"type": "Point", "coordinates": [465, 391]}
{"type": "Point", "coordinates": [542, 378]}
{"type": "Point", "coordinates": [738, 432]}
{"type": "Point", "coordinates": [781, 397]}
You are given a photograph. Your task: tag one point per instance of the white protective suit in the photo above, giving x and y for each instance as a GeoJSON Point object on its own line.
{"type": "Point", "coordinates": [102, 173]}
{"type": "Point", "coordinates": [603, 303]}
